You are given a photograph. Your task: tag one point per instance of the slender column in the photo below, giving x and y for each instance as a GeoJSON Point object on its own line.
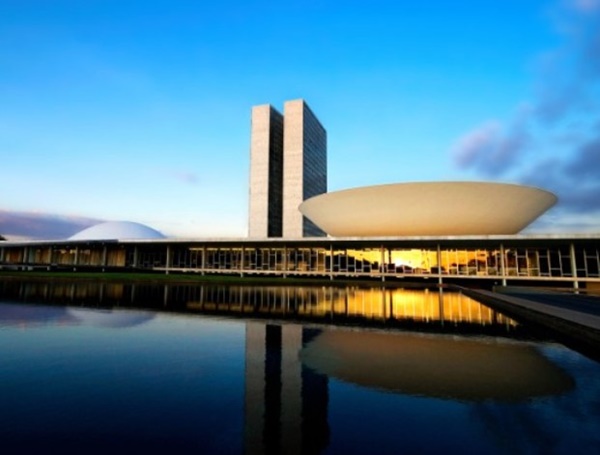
{"type": "Point", "coordinates": [135, 257]}
{"type": "Point", "coordinates": [104, 257]}
{"type": "Point", "coordinates": [242, 262]}
{"type": "Point", "coordinates": [439, 263]}
{"type": "Point", "coordinates": [168, 260]}
{"type": "Point", "coordinates": [24, 258]}
{"type": "Point", "coordinates": [203, 262]}
{"type": "Point", "coordinates": [574, 268]}
{"type": "Point", "coordinates": [2, 255]}
{"type": "Point", "coordinates": [502, 265]}
{"type": "Point", "coordinates": [76, 258]}
{"type": "Point", "coordinates": [285, 261]}
{"type": "Point", "coordinates": [383, 263]}
{"type": "Point", "coordinates": [331, 261]}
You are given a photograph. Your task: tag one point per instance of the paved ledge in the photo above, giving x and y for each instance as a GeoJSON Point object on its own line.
{"type": "Point", "coordinates": [573, 319]}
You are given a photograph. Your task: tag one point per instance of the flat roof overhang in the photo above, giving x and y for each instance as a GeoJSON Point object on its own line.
{"type": "Point", "coordinates": [356, 242]}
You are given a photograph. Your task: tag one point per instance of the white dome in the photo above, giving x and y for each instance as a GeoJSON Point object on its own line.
{"type": "Point", "coordinates": [117, 230]}
{"type": "Point", "coordinates": [428, 209]}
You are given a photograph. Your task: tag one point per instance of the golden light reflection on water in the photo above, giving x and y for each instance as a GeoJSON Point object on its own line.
{"type": "Point", "coordinates": [377, 304]}
{"type": "Point", "coordinates": [354, 302]}
{"type": "Point", "coordinates": [465, 368]}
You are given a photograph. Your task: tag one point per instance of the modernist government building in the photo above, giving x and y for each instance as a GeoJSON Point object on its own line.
{"type": "Point", "coordinates": [436, 231]}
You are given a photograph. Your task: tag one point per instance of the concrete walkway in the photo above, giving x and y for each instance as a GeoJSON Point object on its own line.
{"type": "Point", "coordinates": [571, 317]}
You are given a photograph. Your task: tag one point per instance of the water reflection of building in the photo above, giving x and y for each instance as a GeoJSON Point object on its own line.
{"type": "Point", "coordinates": [285, 402]}
{"type": "Point", "coordinates": [459, 368]}
{"type": "Point", "coordinates": [24, 316]}
{"type": "Point", "coordinates": [431, 310]}
{"type": "Point", "coordinates": [288, 369]}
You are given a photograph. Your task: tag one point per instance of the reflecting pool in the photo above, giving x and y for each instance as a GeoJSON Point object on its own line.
{"type": "Point", "coordinates": [86, 368]}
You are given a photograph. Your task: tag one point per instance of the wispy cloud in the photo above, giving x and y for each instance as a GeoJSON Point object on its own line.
{"type": "Point", "coordinates": [585, 6]}
{"type": "Point", "coordinates": [553, 142]}
{"type": "Point", "coordinates": [478, 144]}
{"type": "Point", "coordinates": [185, 177]}
{"type": "Point", "coordinates": [25, 225]}
{"type": "Point", "coordinates": [491, 149]}
{"type": "Point", "coordinates": [576, 178]}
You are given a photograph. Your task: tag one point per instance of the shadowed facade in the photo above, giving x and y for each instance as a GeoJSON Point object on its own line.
{"type": "Point", "coordinates": [288, 164]}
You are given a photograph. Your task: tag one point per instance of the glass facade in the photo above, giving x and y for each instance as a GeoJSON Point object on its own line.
{"type": "Point", "coordinates": [514, 259]}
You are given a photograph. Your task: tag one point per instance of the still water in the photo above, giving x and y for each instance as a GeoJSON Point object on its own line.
{"type": "Point", "coordinates": [89, 368]}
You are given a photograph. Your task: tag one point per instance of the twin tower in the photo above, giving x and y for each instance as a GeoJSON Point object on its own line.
{"type": "Point", "coordinates": [288, 164]}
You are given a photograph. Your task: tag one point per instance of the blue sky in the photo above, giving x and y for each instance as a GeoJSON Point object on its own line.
{"type": "Point", "coordinates": [140, 110]}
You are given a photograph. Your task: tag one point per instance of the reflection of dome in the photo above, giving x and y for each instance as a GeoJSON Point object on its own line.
{"type": "Point", "coordinates": [428, 208]}
{"type": "Point", "coordinates": [23, 315]}
{"type": "Point", "coordinates": [467, 369]}
{"type": "Point", "coordinates": [117, 230]}
{"type": "Point", "coordinates": [109, 318]}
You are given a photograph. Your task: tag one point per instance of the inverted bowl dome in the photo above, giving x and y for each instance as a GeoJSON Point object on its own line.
{"type": "Point", "coordinates": [428, 209]}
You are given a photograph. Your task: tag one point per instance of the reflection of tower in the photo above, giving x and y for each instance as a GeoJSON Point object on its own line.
{"type": "Point", "coordinates": [286, 403]}
{"type": "Point", "coordinates": [315, 397]}
{"type": "Point", "coordinates": [288, 164]}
